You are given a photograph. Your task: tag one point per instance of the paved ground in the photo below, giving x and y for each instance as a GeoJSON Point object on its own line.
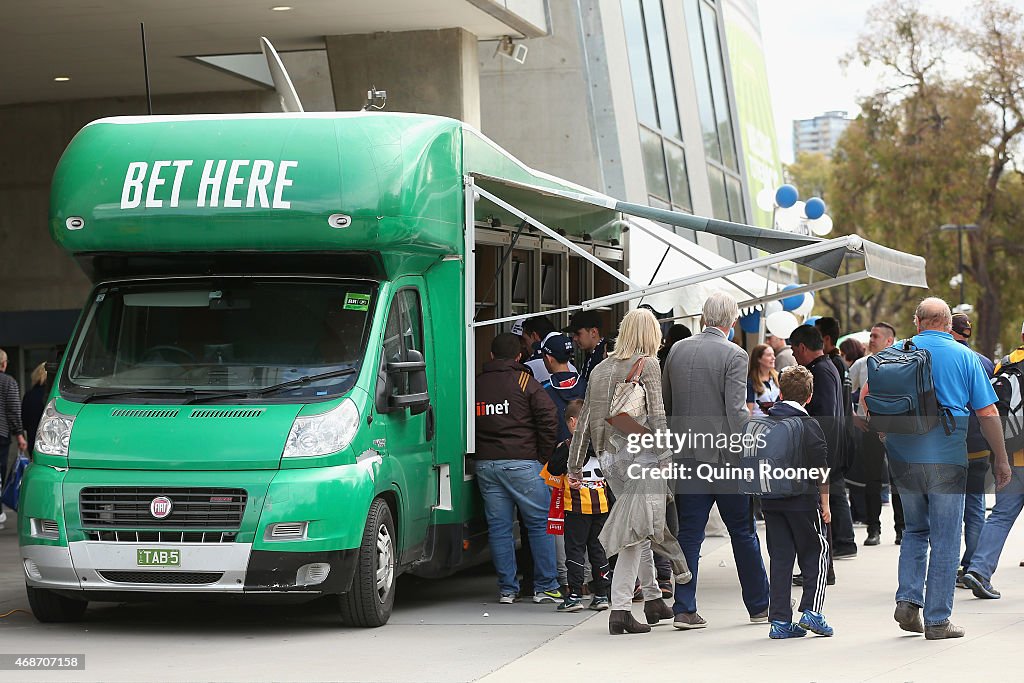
{"type": "Point", "coordinates": [452, 630]}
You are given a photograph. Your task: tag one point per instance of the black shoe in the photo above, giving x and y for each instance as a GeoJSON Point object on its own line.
{"type": "Point", "coordinates": [908, 616]}
{"type": "Point", "coordinates": [873, 539]}
{"type": "Point", "coordinates": [621, 621]}
{"type": "Point", "coordinates": [798, 580]}
{"type": "Point", "coordinates": [844, 554]}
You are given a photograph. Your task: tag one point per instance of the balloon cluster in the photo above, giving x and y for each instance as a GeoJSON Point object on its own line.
{"type": "Point", "coordinates": [791, 214]}
{"type": "Point", "coordinates": [780, 317]}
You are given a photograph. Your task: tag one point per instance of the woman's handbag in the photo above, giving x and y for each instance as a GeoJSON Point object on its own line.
{"type": "Point", "coordinates": [629, 398]}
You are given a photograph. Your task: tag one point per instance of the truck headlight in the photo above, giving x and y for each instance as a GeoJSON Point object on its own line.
{"type": "Point", "coordinates": [323, 434]}
{"type": "Point", "coordinates": [54, 432]}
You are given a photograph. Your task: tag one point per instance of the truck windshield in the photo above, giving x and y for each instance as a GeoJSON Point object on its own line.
{"type": "Point", "coordinates": [221, 336]}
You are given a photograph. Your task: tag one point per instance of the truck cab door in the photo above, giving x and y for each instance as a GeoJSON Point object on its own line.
{"type": "Point", "coordinates": [405, 404]}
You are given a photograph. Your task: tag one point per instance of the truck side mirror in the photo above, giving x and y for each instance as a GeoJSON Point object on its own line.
{"type": "Point", "coordinates": [416, 398]}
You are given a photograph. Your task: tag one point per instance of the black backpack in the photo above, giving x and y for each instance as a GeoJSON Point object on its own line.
{"type": "Point", "coordinates": [781, 446]}
{"type": "Point", "coordinates": [1008, 385]}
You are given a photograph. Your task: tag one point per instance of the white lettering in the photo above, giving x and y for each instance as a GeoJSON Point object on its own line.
{"type": "Point", "coordinates": [634, 471]}
{"type": "Point", "coordinates": [155, 181]}
{"type": "Point", "coordinates": [210, 180]}
{"type": "Point", "coordinates": [262, 172]}
{"type": "Point", "coordinates": [283, 182]}
{"type": "Point", "coordinates": [179, 174]}
{"type": "Point", "coordinates": [233, 182]}
{"type": "Point", "coordinates": [131, 191]}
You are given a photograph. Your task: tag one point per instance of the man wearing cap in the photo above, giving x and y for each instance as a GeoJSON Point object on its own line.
{"type": "Point", "coordinates": [563, 383]}
{"type": "Point", "coordinates": [536, 331]}
{"type": "Point", "coordinates": [586, 331]}
{"type": "Point", "coordinates": [978, 454]}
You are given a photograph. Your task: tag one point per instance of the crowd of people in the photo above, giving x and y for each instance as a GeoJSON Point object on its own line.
{"type": "Point", "coordinates": [19, 416]}
{"type": "Point", "coordinates": [563, 458]}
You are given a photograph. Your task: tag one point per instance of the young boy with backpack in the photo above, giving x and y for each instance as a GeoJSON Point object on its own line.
{"type": "Point", "coordinates": [795, 518]}
{"type": "Point", "coordinates": [586, 510]}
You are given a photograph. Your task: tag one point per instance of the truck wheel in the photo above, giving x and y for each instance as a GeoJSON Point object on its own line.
{"type": "Point", "coordinates": [48, 607]}
{"type": "Point", "coordinates": [368, 603]}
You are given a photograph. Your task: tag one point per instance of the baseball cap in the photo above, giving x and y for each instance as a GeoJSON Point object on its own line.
{"type": "Point", "coordinates": [558, 346]}
{"type": "Point", "coordinates": [962, 324]}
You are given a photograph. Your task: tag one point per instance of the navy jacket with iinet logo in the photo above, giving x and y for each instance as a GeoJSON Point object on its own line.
{"type": "Point", "coordinates": [814, 454]}
{"type": "Point", "coordinates": [515, 418]}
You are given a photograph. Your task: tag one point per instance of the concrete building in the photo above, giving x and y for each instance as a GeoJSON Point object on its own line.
{"type": "Point", "coordinates": [820, 134]}
{"type": "Point", "coordinates": [633, 97]}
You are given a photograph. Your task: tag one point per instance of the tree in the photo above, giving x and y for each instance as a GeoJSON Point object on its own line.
{"type": "Point", "coordinates": [931, 148]}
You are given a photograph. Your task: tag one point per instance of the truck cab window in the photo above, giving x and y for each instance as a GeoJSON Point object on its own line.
{"type": "Point", "coordinates": [404, 332]}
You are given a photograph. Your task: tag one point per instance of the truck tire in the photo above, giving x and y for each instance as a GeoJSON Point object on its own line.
{"type": "Point", "coordinates": [48, 607]}
{"type": "Point", "coordinates": [368, 603]}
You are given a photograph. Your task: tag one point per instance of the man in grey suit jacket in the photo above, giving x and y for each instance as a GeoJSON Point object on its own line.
{"type": "Point", "coordinates": [705, 388]}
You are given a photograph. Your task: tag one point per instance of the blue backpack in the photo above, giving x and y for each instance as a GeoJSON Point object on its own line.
{"type": "Point", "coordinates": [781, 446]}
{"type": "Point", "coordinates": [901, 393]}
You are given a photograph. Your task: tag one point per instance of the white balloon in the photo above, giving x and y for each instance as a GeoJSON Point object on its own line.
{"type": "Point", "coordinates": [804, 309]}
{"type": "Point", "coordinates": [766, 199]}
{"type": "Point", "coordinates": [788, 219]}
{"type": "Point", "coordinates": [800, 207]}
{"type": "Point", "coordinates": [781, 324]}
{"type": "Point", "coordinates": [772, 307]}
{"type": "Point", "coordinates": [821, 226]}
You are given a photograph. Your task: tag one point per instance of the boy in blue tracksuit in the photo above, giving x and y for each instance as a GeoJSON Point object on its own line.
{"type": "Point", "coordinates": [564, 385]}
{"type": "Point", "coordinates": [795, 525]}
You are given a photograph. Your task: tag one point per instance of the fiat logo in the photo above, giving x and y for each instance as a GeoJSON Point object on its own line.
{"type": "Point", "coordinates": [160, 507]}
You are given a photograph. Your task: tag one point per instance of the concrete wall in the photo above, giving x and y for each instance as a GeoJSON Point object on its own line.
{"type": "Point", "coordinates": [426, 72]}
{"type": "Point", "coordinates": [539, 110]}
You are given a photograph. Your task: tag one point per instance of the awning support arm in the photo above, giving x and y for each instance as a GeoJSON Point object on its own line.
{"type": "Point", "coordinates": [555, 236]}
{"type": "Point", "coordinates": [655, 235]}
{"type": "Point", "coordinates": [814, 287]}
{"type": "Point", "coordinates": [847, 242]}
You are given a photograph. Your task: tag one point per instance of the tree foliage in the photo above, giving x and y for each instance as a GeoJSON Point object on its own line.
{"type": "Point", "coordinates": [936, 145]}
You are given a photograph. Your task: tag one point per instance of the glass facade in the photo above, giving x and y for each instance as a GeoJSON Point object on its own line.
{"type": "Point", "coordinates": [661, 144]}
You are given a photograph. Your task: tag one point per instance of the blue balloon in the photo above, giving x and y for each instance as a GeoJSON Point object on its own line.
{"type": "Point", "coordinates": [815, 208]}
{"type": "Point", "coordinates": [791, 303]}
{"type": "Point", "coordinates": [786, 196]}
{"type": "Point", "coordinates": [812, 320]}
{"type": "Point", "coordinates": [751, 322]}
{"type": "Point", "coordinates": [732, 333]}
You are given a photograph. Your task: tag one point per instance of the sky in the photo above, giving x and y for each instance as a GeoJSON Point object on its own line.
{"type": "Point", "coordinates": [803, 43]}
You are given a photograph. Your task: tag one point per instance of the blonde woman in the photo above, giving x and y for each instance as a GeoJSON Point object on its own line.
{"type": "Point", "coordinates": [643, 512]}
{"type": "Point", "coordinates": [762, 380]}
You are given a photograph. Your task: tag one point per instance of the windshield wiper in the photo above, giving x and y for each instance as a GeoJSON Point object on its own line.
{"type": "Point", "coordinates": [256, 393]}
{"type": "Point", "coordinates": [134, 392]}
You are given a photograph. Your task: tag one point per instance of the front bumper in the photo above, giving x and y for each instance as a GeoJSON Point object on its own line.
{"type": "Point", "coordinates": [95, 566]}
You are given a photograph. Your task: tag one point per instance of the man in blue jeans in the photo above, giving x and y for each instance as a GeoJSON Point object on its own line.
{"type": "Point", "coordinates": [1009, 503]}
{"type": "Point", "coordinates": [516, 429]}
{"type": "Point", "coordinates": [704, 384]}
{"type": "Point", "coordinates": [930, 471]}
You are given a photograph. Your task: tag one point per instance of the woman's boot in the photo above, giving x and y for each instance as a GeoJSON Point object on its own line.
{"type": "Point", "coordinates": [621, 621]}
{"type": "Point", "coordinates": [656, 610]}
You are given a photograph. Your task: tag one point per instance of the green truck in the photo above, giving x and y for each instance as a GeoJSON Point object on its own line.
{"type": "Point", "coordinates": [270, 388]}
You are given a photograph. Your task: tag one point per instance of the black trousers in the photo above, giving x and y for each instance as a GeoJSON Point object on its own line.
{"type": "Point", "coordinates": [795, 536]}
{"type": "Point", "coordinates": [873, 456]}
{"type": "Point", "coordinates": [581, 543]}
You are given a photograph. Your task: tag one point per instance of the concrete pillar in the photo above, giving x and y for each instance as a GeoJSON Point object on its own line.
{"type": "Point", "coordinates": [426, 72]}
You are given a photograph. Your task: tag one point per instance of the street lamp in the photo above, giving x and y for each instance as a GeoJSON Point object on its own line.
{"type": "Point", "coordinates": [970, 227]}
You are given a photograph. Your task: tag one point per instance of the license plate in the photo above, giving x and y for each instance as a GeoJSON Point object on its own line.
{"type": "Point", "coordinates": [161, 557]}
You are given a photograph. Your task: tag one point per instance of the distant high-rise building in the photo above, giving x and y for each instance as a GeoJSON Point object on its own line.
{"type": "Point", "coordinates": [820, 134]}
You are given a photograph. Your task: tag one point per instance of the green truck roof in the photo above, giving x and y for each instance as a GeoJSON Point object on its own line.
{"type": "Point", "coordinates": [384, 182]}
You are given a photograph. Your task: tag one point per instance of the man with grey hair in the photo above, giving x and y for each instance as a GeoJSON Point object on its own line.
{"type": "Point", "coordinates": [704, 385]}
{"type": "Point", "coordinates": [930, 471]}
{"type": "Point", "coordinates": [10, 420]}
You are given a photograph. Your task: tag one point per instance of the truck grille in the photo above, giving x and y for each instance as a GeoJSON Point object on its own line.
{"type": "Point", "coordinates": [191, 508]}
{"type": "Point", "coordinates": [121, 536]}
{"type": "Point", "coordinates": [179, 578]}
